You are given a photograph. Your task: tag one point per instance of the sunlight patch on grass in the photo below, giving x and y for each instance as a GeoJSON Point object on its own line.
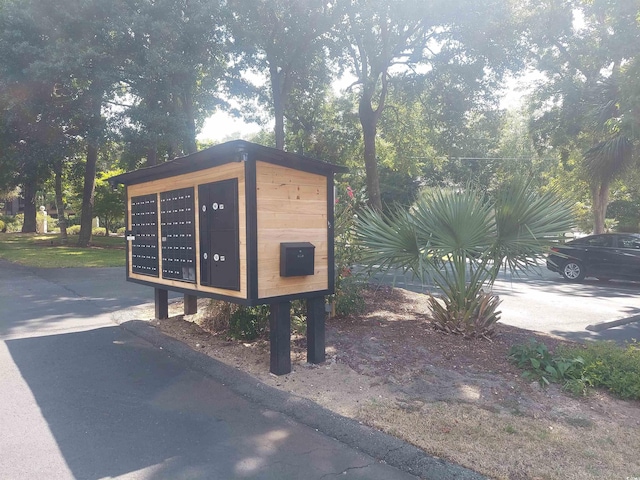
{"type": "Point", "coordinates": [46, 251]}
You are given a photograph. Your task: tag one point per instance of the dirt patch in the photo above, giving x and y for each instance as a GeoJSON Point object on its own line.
{"type": "Point", "coordinates": [456, 398]}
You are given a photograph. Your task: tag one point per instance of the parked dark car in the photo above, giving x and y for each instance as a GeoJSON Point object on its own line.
{"type": "Point", "coordinates": [606, 256]}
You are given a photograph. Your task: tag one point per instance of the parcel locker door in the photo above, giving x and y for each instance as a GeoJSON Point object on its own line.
{"type": "Point", "coordinates": [223, 205]}
{"type": "Point", "coordinates": [203, 213]}
{"type": "Point", "coordinates": [223, 261]}
{"type": "Point", "coordinates": [219, 234]}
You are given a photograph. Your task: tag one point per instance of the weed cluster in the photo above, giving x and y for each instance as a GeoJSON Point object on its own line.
{"type": "Point", "coordinates": [250, 323]}
{"type": "Point", "coordinates": [606, 365]}
{"type": "Point", "coordinates": [595, 365]}
{"type": "Point", "coordinates": [538, 362]}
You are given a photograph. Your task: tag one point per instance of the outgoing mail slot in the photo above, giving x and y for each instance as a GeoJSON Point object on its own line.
{"type": "Point", "coordinates": [296, 259]}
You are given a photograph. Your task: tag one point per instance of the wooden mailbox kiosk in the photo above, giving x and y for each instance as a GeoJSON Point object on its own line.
{"type": "Point", "coordinates": [238, 222]}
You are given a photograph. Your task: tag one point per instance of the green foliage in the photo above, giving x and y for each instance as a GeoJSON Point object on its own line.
{"type": "Point", "coordinates": [251, 323]}
{"type": "Point", "coordinates": [287, 39]}
{"type": "Point", "coordinates": [476, 318]}
{"type": "Point", "coordinates": [299, 317]}
{"type": "Point", "coordinates": [584, 217]}
{"type": "Point", "coordinates": [108, 203]}
{"type": "Point", "coordinates": [594, 365]}
{"type": "Point", "coordinates": [348, 203]}
{"type": "Point", "coordinates": [586, 109]}
{"type": "Point", "coordinates": [397, 188]}
{"type": "Point", "coordinates": [457, 75]}
{"type": "Point", "coordinates": [13, 223]}
{"type": "Point", "coordinates": [330, 132]}
{"type": "Point", "coordinates": [3, 227]}
{"type": "Point", "coordinates": [461, 240]}
{"type": "Point", "coordinates": [73, 230]}
{"type": "Point", "coordinates": [627, 213]}
{"type": "Point", "coordinates": [541, 365]}
{"type": "Point", "coordinates": [348, 298]}
{"type": "Point", "coordinates": [248, 323]}
{"type": "Point", "coordinates": [610, 224]}
{"type": "Point", "coordinates": [607, 365]}
{"type": "Point", "coordinates": [99, 232]}
{"type": "Point", "coordinates": [121, 231]}
{"type": "Point", "coordinates": [348, 253]}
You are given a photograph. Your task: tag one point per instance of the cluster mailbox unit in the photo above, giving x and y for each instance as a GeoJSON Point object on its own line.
{"type": "Point", "coordinates": [238, 222]}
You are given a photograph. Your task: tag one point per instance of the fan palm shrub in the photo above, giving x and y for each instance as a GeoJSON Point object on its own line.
{"type": "Point", "coordinates": [461, 241]}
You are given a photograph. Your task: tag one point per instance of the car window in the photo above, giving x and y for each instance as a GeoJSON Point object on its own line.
{"type": "Point", "coordinates": [598, 241]}
{"type": "Point", "coordinates": [629, 241]}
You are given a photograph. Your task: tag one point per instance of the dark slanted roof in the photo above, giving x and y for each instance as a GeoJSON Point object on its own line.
{"type": "Point", "coordinates": [234, 151]}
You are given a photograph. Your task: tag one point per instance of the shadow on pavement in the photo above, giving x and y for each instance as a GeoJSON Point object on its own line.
{"type": "Point", "coordinates": [621, 334]}
{"type": "Point", "coordinates": [117, 405]}
{"type": "Point", "coordinates": [35, 299]}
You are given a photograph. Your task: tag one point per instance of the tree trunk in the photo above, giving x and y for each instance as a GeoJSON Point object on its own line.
{"type": "Point", "coordinates": [86, 217]}
{"type": "Point", "coordinates": [600, 198]}
{"type": "Point", "coordinates": [174, 148]}
{"type": "Point", "coordinates": [369, 122]}
{"type": "Point", "coordinates": [152, 156]}
{"type": "Point", "coordinates": [190, 120]}
{"type": "Point", "coordinates": [29, 194]}
{"type": "Point", "coordinates": [62, 220]}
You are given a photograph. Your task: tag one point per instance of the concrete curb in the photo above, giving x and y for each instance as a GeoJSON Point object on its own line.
{"type": "Point", "coordinates": [374, 443]}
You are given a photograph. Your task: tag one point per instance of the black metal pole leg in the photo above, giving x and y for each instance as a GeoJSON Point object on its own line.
{"type": "Point", "coordinates": [190, 304]}
{"type": "Point", "coordinates": [280, 338]}
{"type": "Point", "coordinates": [162, 303]}
{"type": "Point", "coordinates": [315, 330]}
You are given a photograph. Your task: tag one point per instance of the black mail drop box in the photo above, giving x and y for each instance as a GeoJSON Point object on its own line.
{"type": "Point", "coordinates": [296, 259]}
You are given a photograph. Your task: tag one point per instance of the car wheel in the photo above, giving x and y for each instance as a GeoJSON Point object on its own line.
{"type": "Point", "coordinates": [573, 271]}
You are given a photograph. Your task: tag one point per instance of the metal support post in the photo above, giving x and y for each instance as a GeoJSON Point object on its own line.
{"type": "Point", "coordinates": [190, 304]}
{"type": "Point", "coordinates": [162, 303]}
{"type": "Point", "coordinates": [315, 330]}
{"type": "Point", "coordinates": [280, 338]}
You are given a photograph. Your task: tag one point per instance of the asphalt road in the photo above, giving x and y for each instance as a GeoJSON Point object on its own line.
{"type": "Point", "coordinates": [543, 301]}
{"type": "Point", "coordinates": [82, 397]}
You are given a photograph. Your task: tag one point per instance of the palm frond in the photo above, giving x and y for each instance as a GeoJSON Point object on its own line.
{"type": "Point", "coordinates": [454, 223]}
{"type": "Point", "coordinates": [389, 240]}
{"type": "Point", "coordinates": [609, 158]}
{"type": "Point", "coordinates": [528, 224]}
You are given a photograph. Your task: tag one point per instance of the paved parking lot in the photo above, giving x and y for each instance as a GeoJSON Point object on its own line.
{"type": "Point", "coordinates": [543, 301]}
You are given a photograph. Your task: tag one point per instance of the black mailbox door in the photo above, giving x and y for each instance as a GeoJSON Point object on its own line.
{"type": "Point", "coordinates": [219, 234]}
{"type": "Point", "coordinates": [177, 223]}
{"type": "Point", "coordinates": [144, 227]}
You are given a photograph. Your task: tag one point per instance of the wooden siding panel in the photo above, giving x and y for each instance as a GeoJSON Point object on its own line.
{"type": "Point", "coordinates": [291, 207]}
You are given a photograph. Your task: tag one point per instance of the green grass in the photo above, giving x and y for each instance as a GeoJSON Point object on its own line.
{"type": "Point", "coordinates": [46, 251]}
